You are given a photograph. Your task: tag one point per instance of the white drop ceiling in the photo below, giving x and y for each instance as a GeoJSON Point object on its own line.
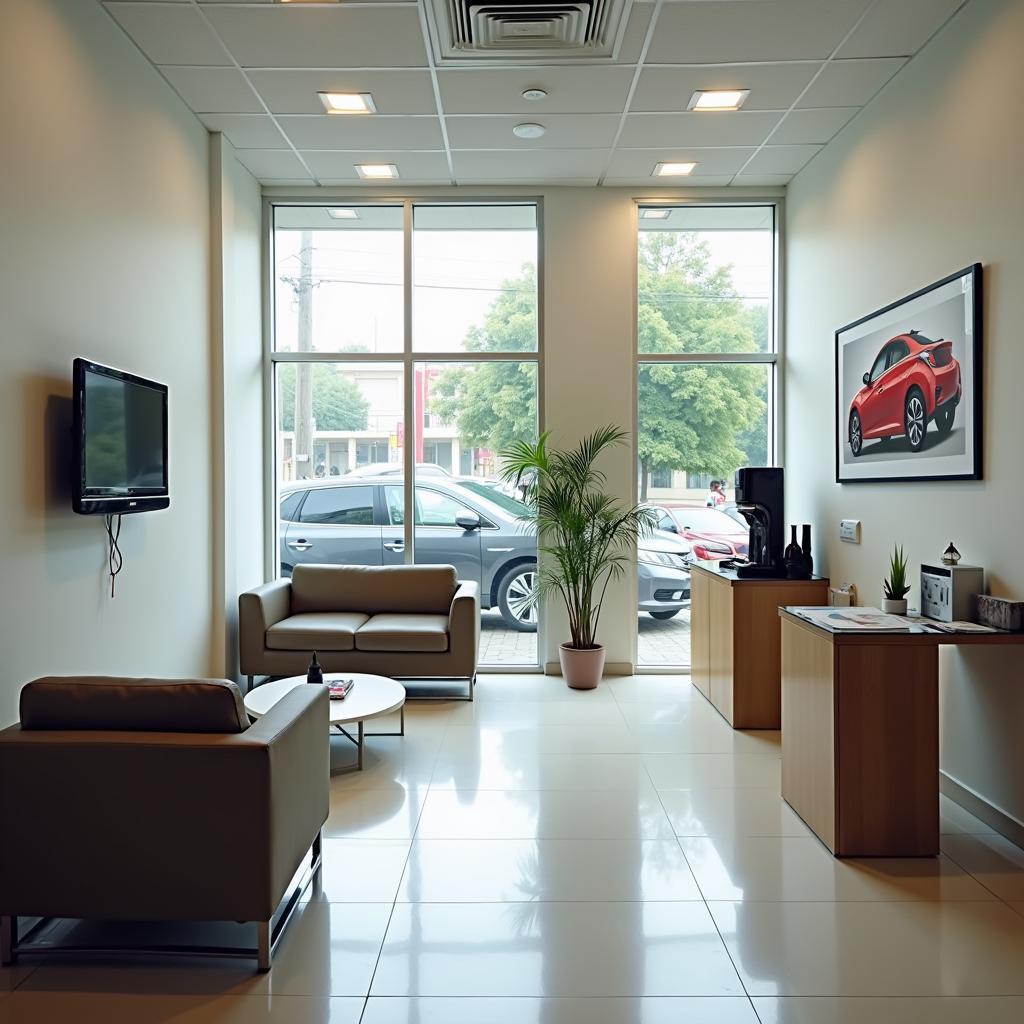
{"type": "Point", "coordinates": [252, 69]}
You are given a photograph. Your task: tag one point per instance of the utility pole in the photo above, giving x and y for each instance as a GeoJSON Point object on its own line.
{"type": "Point", "coordinates": [304, 467]}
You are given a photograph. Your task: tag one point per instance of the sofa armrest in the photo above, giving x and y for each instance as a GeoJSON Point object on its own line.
{"type": "Point", "coordinates": [464, 623]}
{"type": "Point", "coordinates": [258, 610]}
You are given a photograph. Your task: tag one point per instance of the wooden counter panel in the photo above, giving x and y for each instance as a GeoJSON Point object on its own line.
{"type": "Point", "coordinates": [722, 627]}
{"type": "Point", "coordinates": [808, 729]}
{"type": "Point", "coordinates": [887, 751]}
{"type": "Point", "coordinates": [700, 625]}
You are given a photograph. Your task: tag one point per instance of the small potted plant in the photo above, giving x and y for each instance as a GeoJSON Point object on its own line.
{"type": "Point", "coordinates": [896, 588]}
{"type": "Point", "coordinates": [586, 537]}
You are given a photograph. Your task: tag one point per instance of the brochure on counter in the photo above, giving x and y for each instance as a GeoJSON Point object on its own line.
{"type": "Point", "coordinates": [855, 620]}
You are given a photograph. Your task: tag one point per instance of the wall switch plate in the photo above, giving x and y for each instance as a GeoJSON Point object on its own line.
{"type": "Point", "coordinates": [849, 530]}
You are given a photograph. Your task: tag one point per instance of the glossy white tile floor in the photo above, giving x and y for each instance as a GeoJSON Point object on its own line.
{"type": "Point", "coordinates": [549, 857]}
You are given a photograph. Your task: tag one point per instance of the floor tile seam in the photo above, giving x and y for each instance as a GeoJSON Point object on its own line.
{"type": "Point", "coordinates": [966, 870]}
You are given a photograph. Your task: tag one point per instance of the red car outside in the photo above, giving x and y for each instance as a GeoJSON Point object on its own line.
{"type": "Point", "coordinates": [913, 381]}
{"type": "Point", "coordinates": [712, 533]}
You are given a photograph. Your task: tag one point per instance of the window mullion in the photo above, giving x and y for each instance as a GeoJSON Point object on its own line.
{"type": "Point", "coordinates": [409, 385]}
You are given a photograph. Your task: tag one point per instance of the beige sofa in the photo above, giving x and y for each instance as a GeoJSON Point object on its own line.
{"type": "Point", "coordinates": [156, 800]}
{"type": "Point", "coordinates": [404, 621]}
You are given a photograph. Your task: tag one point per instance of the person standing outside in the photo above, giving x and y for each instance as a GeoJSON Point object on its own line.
{"type": "Point", "coordinates": [716, 497]}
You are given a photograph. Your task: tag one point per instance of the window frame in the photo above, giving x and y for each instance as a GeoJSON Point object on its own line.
{"type": "Point", "coordinates": [408, 358]}
{"type": "Point", "coordinates": [774, 359]}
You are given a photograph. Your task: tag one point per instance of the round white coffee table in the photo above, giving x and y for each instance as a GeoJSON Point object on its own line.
{"type": "Point", "coordinates": [370, 697]}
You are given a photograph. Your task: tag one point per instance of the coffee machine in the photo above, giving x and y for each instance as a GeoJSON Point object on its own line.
{"type": "Point", "coordinates": [759, 499]}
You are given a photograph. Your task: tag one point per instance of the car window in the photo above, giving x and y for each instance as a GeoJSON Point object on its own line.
{"type": "Point", "coordinates": [394, 498]}
{"type": "Point", "coordinates": [339, 506]}
{"type": "Point", "coordinates": [436, 509]}
{"type": "Point", "coordinates": [897, 351]}
{"type": "Point", "coordinates": [879, 368]}
{"type": "Point", "coordinates": [665, 521]}
{"type": "Point", "coordinates": [706, 520]}
{"type": "Point", "coordinates": [290, 506]}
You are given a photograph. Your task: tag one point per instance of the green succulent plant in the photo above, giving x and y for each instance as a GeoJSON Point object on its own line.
{"type": "Point", "coordinates": [896, 587]}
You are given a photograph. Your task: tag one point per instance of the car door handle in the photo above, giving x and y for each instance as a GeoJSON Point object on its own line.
{"type": "Point", "coordinates": [299, 545]}
{"type": "Point", "coordinates": [395, 545]}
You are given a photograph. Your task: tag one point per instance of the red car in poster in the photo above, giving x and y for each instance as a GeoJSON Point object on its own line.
{"type": "Point", "coordinates": [913, 381]}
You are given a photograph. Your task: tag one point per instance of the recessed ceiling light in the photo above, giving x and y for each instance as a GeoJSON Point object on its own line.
{"type": "Point", "coordinates": [340, 214]}
{"type": "Point", "coordinates": [718, 99]}
{"type": "Point", "coordinates": [347, 102]}
{"type": "Point", "coordinates": [649, 214]}
{"type": "Point", "coordinates": [528, 131]}
{"type": "Point", "coordinates": [534, 94]}
{"type": "Point", "coordinates": [673, 169]}
{"type": "Point", "coordinates": [376, 170]}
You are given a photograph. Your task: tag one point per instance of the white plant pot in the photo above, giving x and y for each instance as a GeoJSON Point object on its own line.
{"type": "Point", "coordinates": [894, 607]}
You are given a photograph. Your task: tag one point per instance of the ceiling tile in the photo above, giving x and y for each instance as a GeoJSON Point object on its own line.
{"type": "Point", "coordinates": [246, 131]}
{"type": "Point", "coordinates": [762, 180]}
{"type": "Point", "coordinates": [639, 163]}
{"type": "Point", "coordinates": [322, 36]}
{"type": "Point", "coordinates": [583, 90]}
{"type": "Point", "coordinates": [272, 163]}
{"type": "Point", "coordinates": [539, 165]}
{"type": "Point", "coordinates": [780, 159]}
{"type": "Point", "coordinates": [636, 32]}
{"type": "Point", "coordinates": [169, 33]}
{"type": "Point", "coordinates": [736, 128]}
{"type": "Point", "coordinates": [850, 83]}
{"type": "Point", "coordinates": [898, 27]}
{"type": "Point", "coordinates": [398, 91]}
{"type": "Point", "coordinates": [412, 167]}
{"type": "Point", "coordinates": [360, 132]}
{"type": "Point", "coordinates": [809, 126]}
{"type": "Point", "coordinates": [213, 90]}
{"type": "Point", "coordinates": [772, 86]}
{"type": "Point", "coordinates": [564, 131]}
{"type": "Point", "coordinates": [719, 31]}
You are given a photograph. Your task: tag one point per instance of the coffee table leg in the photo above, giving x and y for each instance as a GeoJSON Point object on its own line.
{"type": "Point", "coordinates": [359, 748]}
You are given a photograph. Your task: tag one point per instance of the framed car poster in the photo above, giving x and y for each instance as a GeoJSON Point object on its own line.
{"type": "Point", "coordinates": [908, 387]}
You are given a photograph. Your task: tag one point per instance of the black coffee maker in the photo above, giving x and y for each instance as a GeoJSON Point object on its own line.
{"type": "Point", "coordinates": [759, 499]}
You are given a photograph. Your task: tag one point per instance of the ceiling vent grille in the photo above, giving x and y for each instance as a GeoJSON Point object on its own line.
{"type": "Point", "coordinates": [510, 31]}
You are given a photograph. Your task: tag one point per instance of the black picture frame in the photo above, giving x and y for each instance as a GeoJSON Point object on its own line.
{"type": "Point", "coordinates": [964, 458]}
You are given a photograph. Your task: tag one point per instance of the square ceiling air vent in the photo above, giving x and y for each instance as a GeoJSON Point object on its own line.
{"type": "Point", "coordinates": [508, 31]}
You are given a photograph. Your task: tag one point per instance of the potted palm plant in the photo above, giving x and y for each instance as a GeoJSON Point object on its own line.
{"type": "Point", "coordinates": [895, 588]}
{"type": "Point", "coordinates": [586, 538]}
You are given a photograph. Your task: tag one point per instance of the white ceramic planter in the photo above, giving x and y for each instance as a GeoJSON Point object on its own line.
{"type": "Point", "coordinates": [894, 607]}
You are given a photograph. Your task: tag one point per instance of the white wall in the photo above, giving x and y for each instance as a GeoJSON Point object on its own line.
{"type": "Point", "coordinates": [925, 181]}
{"type": "Point", "coordinates": [104, 252]}
{"type": "Point", "coordinates": [236, 212]}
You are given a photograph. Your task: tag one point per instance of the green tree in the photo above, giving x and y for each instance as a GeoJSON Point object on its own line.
{"type": "Point", "coordinates": [495, 404]}
{"type": "Point", "coordinates": [338, 404]}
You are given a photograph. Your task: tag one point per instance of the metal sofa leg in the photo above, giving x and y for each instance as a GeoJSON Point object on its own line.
{"type": "Point", "coordinates": [7, 939]}
{"type": "Point", "coordinates": [264, 949]}
{"type": "Point", "coordinates": [248, 683]}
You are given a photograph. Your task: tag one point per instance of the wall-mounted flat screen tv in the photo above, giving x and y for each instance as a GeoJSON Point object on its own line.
{"type": "Point", "coordinates": [120, 441]}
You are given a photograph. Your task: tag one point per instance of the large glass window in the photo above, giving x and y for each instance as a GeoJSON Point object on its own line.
{"type": "Point", "coordinates": [705, 390]}
{"type": "Point", "coordinates": [350, 396]}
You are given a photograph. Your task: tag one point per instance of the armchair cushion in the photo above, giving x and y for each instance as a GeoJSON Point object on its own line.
{"type": "Point", "coordinates": [412, 633]}
{"type": "Point", "coordinates": [134, 705]}
{"type": "Point", "coordinates": [316, 631]}
{"type": "Point", "coordinates": [373, 589]}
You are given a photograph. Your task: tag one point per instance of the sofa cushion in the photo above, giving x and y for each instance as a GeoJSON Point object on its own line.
{"type": "Point", "coordinates": [316, 631]}
{"type": "Point", "coordinates": [419, 589]}
{"type": "Point", "coordinates": [133, 705]}
{"type": "Point", "coordinates": [413, 633]}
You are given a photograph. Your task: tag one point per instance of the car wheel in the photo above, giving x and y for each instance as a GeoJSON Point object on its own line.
{"type": "Point", "coordinates": [944, 419]}
{"type": "Point", "coordinates": [915, 420]}
{"type": "Point", "coordinates": [856, 435]}
{"type": "Point", "coordinates": [664, 615]}
{"type": "Point", "coordinates": [516, 600]}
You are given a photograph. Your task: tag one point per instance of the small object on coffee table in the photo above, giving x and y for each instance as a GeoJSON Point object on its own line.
{"type": "Point", "coordinates": [339, 688]}
{"type": "Point", "coordinates": [315, 674]}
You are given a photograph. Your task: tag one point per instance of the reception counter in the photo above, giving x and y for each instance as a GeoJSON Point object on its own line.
{"type": "Point", "coordinates": [735, 640]}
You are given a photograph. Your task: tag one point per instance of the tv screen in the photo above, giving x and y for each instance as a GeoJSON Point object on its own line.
{"type": "Point", "coordinates": [121, 441]}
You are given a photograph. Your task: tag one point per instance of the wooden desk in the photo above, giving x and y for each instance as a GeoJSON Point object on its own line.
{"type": "Point", "coordinates": [860, 735]}
{"type": "Point", "coordinates": [734, 638]}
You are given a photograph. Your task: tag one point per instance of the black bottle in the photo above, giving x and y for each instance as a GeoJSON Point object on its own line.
{"type": "Point", "coordinates": [315, 674]}
{"type": "Point", "coordinates": [793, 558]}
{"type": "Point", "coordinates": [805, 545]}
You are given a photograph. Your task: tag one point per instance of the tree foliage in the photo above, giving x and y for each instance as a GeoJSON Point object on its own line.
{"type": "Point", "coordinates": [338, 404]}
{"type": "Point", "coordinates": [700, 417]}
